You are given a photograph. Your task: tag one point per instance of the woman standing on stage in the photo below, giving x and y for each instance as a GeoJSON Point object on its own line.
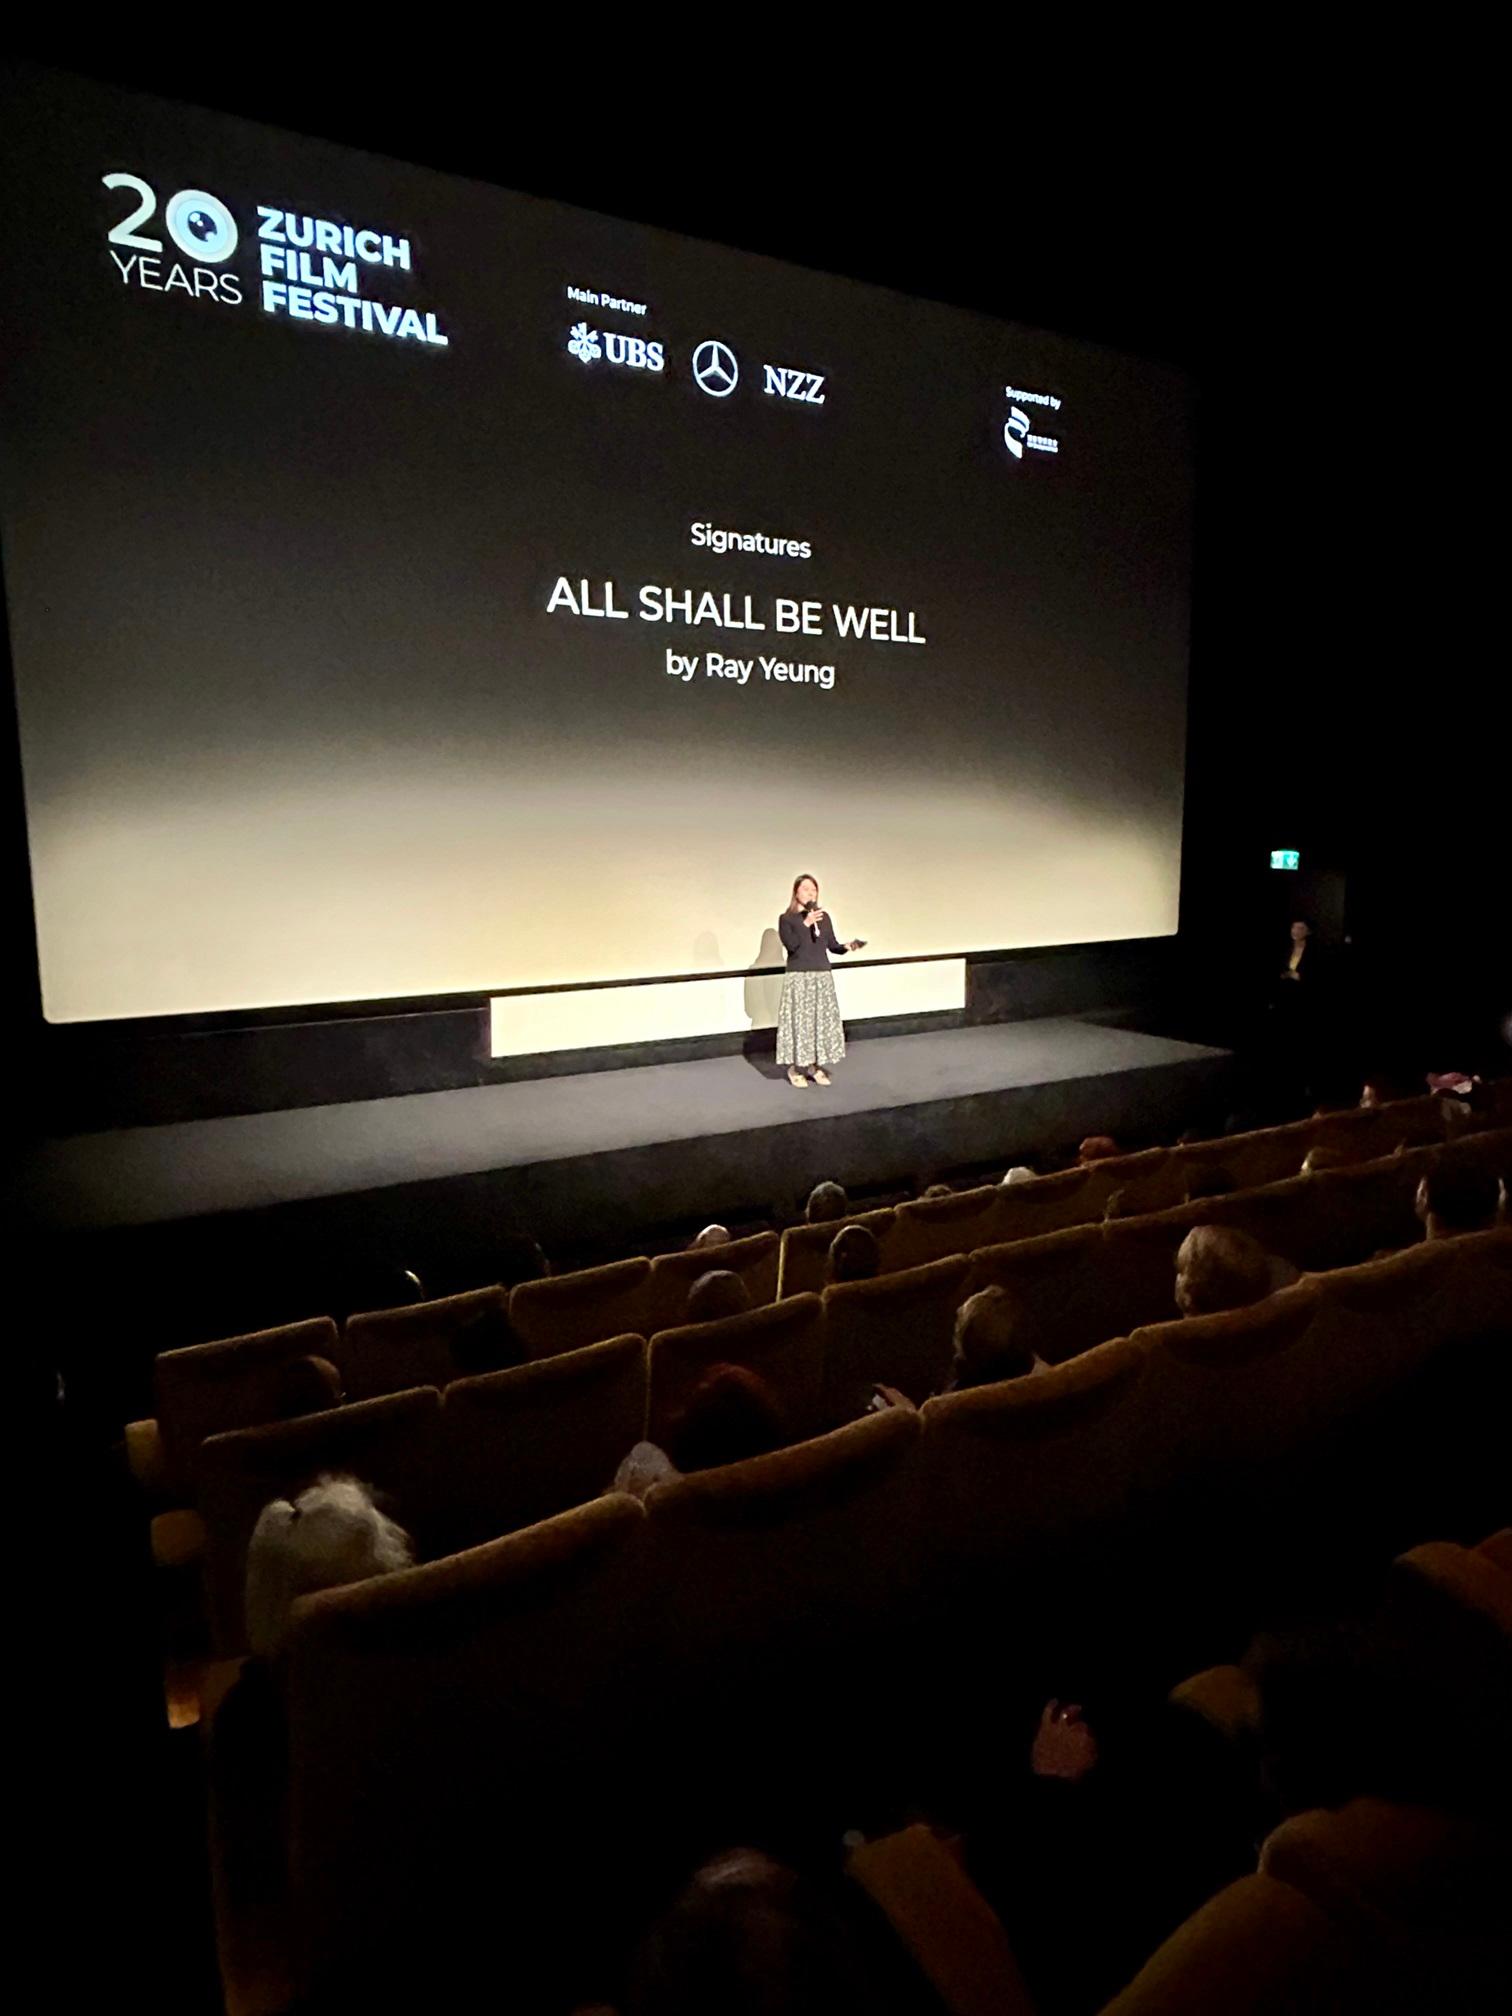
{"type": "Point", "coordinates": [810, 1033]}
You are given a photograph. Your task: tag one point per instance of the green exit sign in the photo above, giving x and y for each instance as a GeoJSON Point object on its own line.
{"type": "Point", "coordinates": [1285, 857]}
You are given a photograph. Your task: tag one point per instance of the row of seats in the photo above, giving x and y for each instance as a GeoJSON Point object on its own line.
{"type": "Point", "coordinates": [462, 1675]}
{"type": "Point", "coordinates": [1080, 1285]}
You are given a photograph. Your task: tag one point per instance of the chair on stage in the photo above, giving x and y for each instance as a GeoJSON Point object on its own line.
{"type": "Point", "coordinates": [207, 1389]}
{"type": "Point", "coordinates": [897, 1330]}
{"type": "Point", "coordinates": [526, 1443]}
{"type": "Point", "coordinates": [753, 1258]}
{"type": "Point", "coordinates": [783, 1344]}
{"type": "Point", "coordinates": [392, 1443]}
{"type": "Point", "coordinates": [562, 1312]}
{"type": "Point", "coordinates": [391, 1350]}
{"type": "Point", "coordinates": [805, 1249]}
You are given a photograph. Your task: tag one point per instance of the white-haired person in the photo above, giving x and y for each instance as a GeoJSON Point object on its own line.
{"type": "Point", "coordinates": [332, 1533]}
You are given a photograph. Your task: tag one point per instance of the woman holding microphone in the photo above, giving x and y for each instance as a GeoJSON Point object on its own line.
{"type": "Point", "coordinates": [810, 1033]}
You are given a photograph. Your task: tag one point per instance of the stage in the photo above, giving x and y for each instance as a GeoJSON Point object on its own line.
{"type": "Point", "coordinates": [573, 1158]}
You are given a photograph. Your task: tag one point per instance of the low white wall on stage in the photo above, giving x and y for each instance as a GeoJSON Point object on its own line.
{"type": "Point", "coordinates": [523, 1025]}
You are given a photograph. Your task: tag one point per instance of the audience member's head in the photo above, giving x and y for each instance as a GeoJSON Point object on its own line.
{"type": "Point", "coordinates": [991, 1341]}
{"type": "Point", "coordinates": [519, 1258]}
{"type": "Point", "coordinates": [1452, 1200]}
{"type": "Point", "coordinates": [938, 1190]}
{"type": "Point", "coordinates": [485, 1342]}
{"type": "Point", "coordinates": [1019, 1173]}
{"type": "Point", "coordinates": [720, 1292]}
{"type": "Point", "coordinates": [731, 1414]}
{"type": "Point", "coordinates": [1190, 1136]}
{"type": "Point", "coordinates": [854, 1255]}
{"type": "Point", "coordinates": [746, 1938]}
{"type": "Point", "coordinates": [1097, 1148]}
{"type": "Point", "coordinates": [1220, 1267]}
{"type": "Point", "coordinates": [826, 1202]}
{"type": "Point", "coordinates": [307, 1385]}
{"type": "Point", "coordinates": [332, 1533]}
{"type": "Point", "coordinates": [1122, 1203]}
{"type": "Point", "coordinates": [1323, 1156]}
{"type": "Point", "coordinates": [1210, 1179]}
{"type": "Point", "coordinates": [1371, 1096]}
{"type": "Point", "coordinates": [711, 1235]}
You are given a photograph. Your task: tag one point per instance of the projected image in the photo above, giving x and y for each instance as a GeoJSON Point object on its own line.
{"type": "Point", "coordinates": [419, 589]}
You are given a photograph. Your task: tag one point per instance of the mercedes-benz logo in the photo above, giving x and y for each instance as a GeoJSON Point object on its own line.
{"type": "Point", "coordinates": [715, 370]}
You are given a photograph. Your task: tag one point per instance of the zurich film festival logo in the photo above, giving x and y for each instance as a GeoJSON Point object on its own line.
{"type": "Point", "coordinates": [309, 269]}
{"type": "Point", "coordinates": [632, 353]}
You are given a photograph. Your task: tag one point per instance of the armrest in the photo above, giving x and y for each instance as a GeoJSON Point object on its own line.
{"type": "Point", "coordinates": [178, 1539]}
{"type": "Point", "coordinates": [1224, 1696]}
{"type": "Point", "coordinates": [146, 1458]}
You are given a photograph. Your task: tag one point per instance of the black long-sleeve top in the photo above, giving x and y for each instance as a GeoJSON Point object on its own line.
{"type": "Point", "coordinates": [806, 953]}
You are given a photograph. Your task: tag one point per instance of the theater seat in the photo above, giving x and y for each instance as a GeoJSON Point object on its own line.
{"type": "Point", "coordinates": [933, 1228]}
{"type": "Point", "coordinates": [461, 1735]}
{"type": "Point", "coordinates": [523, 1444]}
{"type": "Point", "coordinates": [1240, 1388]}
{"type": "Point", "coordinates": [391, 1443]}
{"type": "Point", "coordinates": [392, 1350]}
{"type": "Point", "coordinates": [1010, 1470]}
{"type": "Point", "coordinates": [207, 1389]}
{"type": "Point", "coordinates": [1050, 1203]}
{"type": "Point", "coordinates": [805, 1249]}
{"type": "Point", "coordinates": [1424, 1892]}
{"type": "Point", "coordinates": [1259, 1948]}
{"type": "Point", "coordinates": [784, 1572]}
{"type": "Point", "coordinates": [894, 1331]}
{"type": "Point", "coordinates": [784, 1344]}
{"type": "Point", "coordinates": [562, 1312]}
{"type": "Point", "coordinates": [754, 1259]}
{"type": "Point", "coordinates": [944, 1921]}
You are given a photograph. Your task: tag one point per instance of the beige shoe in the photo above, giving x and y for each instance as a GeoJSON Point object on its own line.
{"type": "Point", "coordinates": [796, 1077]}
{"type": "Point", "coordinates": [821, 1076]}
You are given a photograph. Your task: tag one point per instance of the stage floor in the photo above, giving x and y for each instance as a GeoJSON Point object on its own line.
{"type": "Point", "coordinates": [653, 1140]}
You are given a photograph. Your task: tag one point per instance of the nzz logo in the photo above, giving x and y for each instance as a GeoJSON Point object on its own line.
{"type": "Point", "coordinates": [200, 226]}
{"type": "Point", "coordinates": [633, 352]}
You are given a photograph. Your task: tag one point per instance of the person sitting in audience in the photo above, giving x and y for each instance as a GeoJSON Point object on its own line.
{"type": "Point", "coordinates": [719, 1293]}
{"type": "Point", "coordinates": [938, 1190]}
{"type": "Point", "coordinates": [826, 1203]}
{"type": "Point", "coordinates": [1097, 1148]}
{"type": "Point", "coordinates": [749, 1936]}
{"type": "Point", "coordinates": [991, 1342]}
{"type": "Point", "coordinates": [307, 1385]}
{"type": "Point", "coordinates": [331, 1534]}
{"type": "Point", "coordinates": [1122, 1203]}
{"type": "Point", "coordinates": [1321, 1157]}
{"type": "Point", "coordinates": [854, 1255]}
{"type": "Point", "coordinates": [519, 1258]}
{"type": "Point", "coordinates": [1219, 1267]}
{"type": "Point", "coordinates": [1451, 1201]}
{"type": "Point", "coordinates": [1019, 1173]}
{"type": "Point", "coordinates": [730, 1415]}
{"type": "Point", "coordinates": [711, 1235]}
{"type": "Point", "coordinates": [486, 1342]}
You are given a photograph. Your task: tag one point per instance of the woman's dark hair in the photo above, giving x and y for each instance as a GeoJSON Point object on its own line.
{"type": "Point", "coordinates": [798, 882]}
{"type": "Point", "coordinates": [731, 1414]}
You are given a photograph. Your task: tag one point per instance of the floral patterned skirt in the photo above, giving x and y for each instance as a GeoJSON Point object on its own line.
{"type": "Point", "coordinates": [809, 1029]}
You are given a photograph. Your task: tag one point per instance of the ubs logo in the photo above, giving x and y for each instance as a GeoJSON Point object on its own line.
{"type": "Point", "coordinates": [633, 353]}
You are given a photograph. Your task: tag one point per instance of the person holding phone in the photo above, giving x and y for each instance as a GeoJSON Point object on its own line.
{"type": "Point", "coordinates": [810, 1034]}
